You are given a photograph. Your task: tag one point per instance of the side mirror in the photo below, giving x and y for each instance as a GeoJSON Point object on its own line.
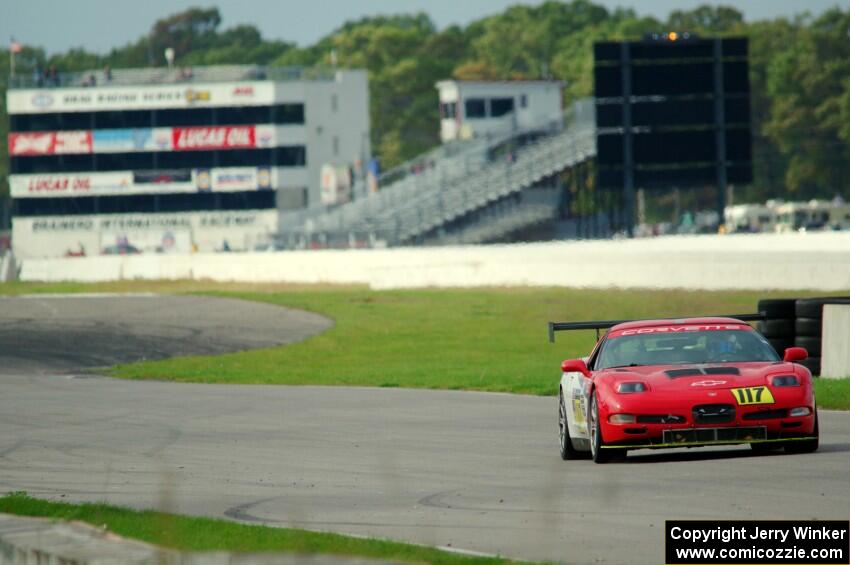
{"type": "Point", "coordinates": [575, 366]}
{"type": "Point", "coordinates": [795, 354]}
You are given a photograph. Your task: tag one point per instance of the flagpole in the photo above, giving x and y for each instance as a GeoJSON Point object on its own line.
{"type": "Point", "coordinates": [12, 58]}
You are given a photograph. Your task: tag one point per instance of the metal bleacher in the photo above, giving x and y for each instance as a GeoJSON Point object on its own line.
{"type": "Point", "coordinates": [470, 192]}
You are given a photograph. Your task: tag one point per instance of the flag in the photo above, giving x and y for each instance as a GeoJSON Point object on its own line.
{"type": "Point", "coordinates": [15, 47]}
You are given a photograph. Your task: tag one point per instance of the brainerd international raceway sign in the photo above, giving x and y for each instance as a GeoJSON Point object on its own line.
{"type": "Point", "coordinates": [54, 236]}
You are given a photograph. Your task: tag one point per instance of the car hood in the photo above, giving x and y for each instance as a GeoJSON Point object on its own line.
{"type": "Point", "coordinates": [698, 376]}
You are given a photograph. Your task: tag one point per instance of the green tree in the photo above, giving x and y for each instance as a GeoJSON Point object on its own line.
{"type": "Point", "coordinates": [707, 19]}
{"type": "Point", "coordinates": [807, 84]}
{"type": "Point", "coordinates": [799, 72]}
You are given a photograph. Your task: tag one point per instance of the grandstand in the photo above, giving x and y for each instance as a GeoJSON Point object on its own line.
{"type": "Point", "coordinates": [476, 191]}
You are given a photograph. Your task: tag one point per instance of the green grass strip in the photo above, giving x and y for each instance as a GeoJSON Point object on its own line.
{"type": "Point", "coordinates": [833, 393]}
{"type": "Point", "coordinates": [491, 339]}
{"type": "Point", "coordinates": [206, 534]}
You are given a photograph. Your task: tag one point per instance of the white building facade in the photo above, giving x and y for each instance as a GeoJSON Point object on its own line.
{"type": "Point", "coordinates": [158, 160]}
{"type": "Point", "coordinates": [477, 108]}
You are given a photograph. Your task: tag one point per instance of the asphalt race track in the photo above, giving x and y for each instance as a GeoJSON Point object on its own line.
{"type": "Point", "coordinates": [471, 470]}
{"type": "Point", "coordinates": [44, 333]}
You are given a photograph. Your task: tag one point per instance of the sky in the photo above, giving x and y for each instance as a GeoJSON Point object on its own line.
{"type": "Point", "coordinates": [99, 25]}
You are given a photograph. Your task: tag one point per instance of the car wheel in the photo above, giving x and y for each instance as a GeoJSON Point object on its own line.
{"type": "Point", "coordinates": [567, 449]}
{"type": "Point", "coordinates": [598, 451]}
{"type": "Point", "coordinates": [806, 445]}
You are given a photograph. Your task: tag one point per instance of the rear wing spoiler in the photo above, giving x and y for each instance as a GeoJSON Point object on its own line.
{"type": "Point", "coordinates": [605, 324]}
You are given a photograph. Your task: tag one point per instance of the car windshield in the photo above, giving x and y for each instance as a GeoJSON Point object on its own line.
{"type": "Point", "coordinates": [714, 346]}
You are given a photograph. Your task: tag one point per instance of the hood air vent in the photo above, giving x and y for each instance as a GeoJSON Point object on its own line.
{"type": "Point", "coordinates": [699, 372]}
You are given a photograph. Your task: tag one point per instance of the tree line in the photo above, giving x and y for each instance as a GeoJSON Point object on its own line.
{"type": "Point", "coordinates": [799, 72]}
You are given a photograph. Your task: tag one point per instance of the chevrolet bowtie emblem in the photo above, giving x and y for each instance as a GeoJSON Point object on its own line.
{"type": "Point", "coordinates": [708, 383]}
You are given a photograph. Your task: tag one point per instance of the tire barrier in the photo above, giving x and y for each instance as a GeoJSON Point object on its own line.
{"type": "Point", "coordinates": [808, 327]}
{"type": "Point", "coordinates": [810, 343]}
{"type": "Point", "coordinates": [778, 308]}
{"type": "Point", "coordinates": [812, 364]}
{"type": "Point", "coordinates": [778, 325]}
{"type": "Point", "coordinates": [777, 328]}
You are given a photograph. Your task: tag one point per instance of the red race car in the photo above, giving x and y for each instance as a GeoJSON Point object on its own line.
{"type": "Point", "coordinates": [683, 383]}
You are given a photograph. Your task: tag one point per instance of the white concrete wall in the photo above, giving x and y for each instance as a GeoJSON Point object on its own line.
{"type": "Point", "coordinates": [815, 261]}
{"type": "Point", "coordinates": [835, 347]}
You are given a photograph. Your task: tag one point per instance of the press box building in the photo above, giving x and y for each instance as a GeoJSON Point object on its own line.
{"type": "Point", "coordinates": [175, 159]}
{"type": "Point", "coordinates": [477, 108]}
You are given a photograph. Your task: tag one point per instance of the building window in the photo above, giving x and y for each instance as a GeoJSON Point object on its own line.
{"type": "Point", "coordinates": [288, 114]}
{"type": "Point", "coordinates": [523, 101]}
{"type": "Point", "coordinates": [182, 202]}
{"type": "Point", "coordinates": [501, 106]}
{"type": "Point", "coordinates": [336, 146]}
{"type": "Point", "coordinates": [475, 108]}
{"type": "Point", "coordinates": [291, 156]}
{"type": "Point", "coordinates": [448, 110]}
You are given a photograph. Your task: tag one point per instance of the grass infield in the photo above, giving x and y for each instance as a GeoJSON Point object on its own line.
{"type": "Point", "coordinates": [206, 534]}
{"type": "Point", "coordinates": [491, 339]}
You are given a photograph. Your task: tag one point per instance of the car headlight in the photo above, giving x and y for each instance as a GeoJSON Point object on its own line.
{"type": "Point", "coordinates": [622, 418]}
{"type": "Point", "coordinates": [801, 411]}
{"type": "Point", "coordinates": [629, 388]}
{"type": "Point", "coordinates": [785, 380]}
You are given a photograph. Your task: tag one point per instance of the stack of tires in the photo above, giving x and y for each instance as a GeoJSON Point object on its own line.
{"type": "Point", "coordinates": [779, 323]}
{"type": "Point", "coordinates": [808, 327]}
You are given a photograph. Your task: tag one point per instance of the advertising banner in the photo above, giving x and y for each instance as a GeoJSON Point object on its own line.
{"type": "Point", "coordinates": [213, 137]}
{"type": "Point", "coordinates": [163, 176]}
{"type": "Point", "coordinates": [80, 184]}
{"type": "Point", "coordinates": [335, 184]}
{"type": "Point", "coordinates": [265, 136]}
{"type": "Point", "coordinates": [161, 181]}
{"type": "Point", "coordinates": [50, 143]}
{"type": "Point", "coordinates": [244, 178]}
{"type": "Point", "coordinates": [130, 140]}
{"type": "Point", "coordinates": [140, 97]}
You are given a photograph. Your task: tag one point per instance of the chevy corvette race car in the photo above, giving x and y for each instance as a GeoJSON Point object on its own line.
{"type": "Point", "coordinates": [683, 383]}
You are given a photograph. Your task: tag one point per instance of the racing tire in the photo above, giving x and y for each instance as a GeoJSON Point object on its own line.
{"type": "Point", "coordinates": [778, 307]}
{"type": "Point", "coordinates": [598, 452]}
{"type": "Point", "coordinates": [568, 452]}
{"type": "Point", "coordinates": [812, 344]}
{"type": "Point", "coordinates": [780, 344]}
{"type": "Point", "coordinates": [781, 327]}
{"type": "Point", "coordinates": [807, 445]}
{"type": "Point", "coordinates": [813, 307]}
{"type": "Point", "coordinates": [808, 327]}
{"type": "Point", "coordinates": [812, 364]}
